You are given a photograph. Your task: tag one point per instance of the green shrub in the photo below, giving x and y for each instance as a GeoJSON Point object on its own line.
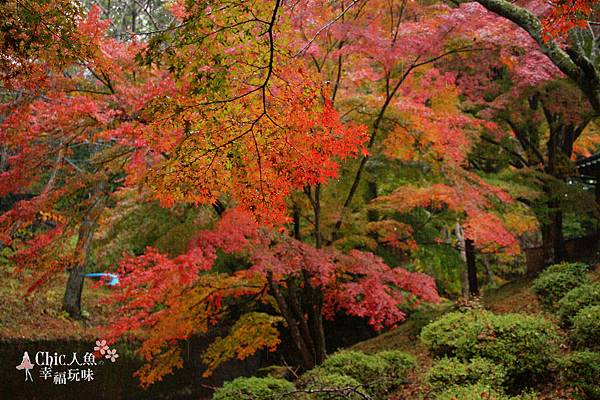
{"type": "Point", "coordinates": [478, 392]}
{"type": "Point", "coordinates": [365, 368]}
{"type": "Point", "coordinates": [586, 327]}
{"type": "Point", "coordinates": [444, 336]}
{"type": "Point", "coordinates": [378, 373]}
{"type": "Point", "coordinates": [328, 386]}
{"type": "Point", "coordinates": [574, 268]}
{"type": "Point", "coordinates": [557, 280]}
{"type": "Point", "coordinates": [253, 388]}
{"type": "Point", "coordinates": [582, 371]}
{"type": "Point", "coordinates": [577, 299]}
{"type": "Point", "coordinates": [524, 345]}
{"type": "Point", "coordinates": [399, 365]}
{"type": "Point", "coordinates": [471, 392]}
{"type": "Point", "coordinates": [447, 372]}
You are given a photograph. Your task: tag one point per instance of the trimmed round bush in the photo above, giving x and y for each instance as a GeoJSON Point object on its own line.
{"type": "Point", "coordinates": [575, 268]}
{"type": "Point", "coordinates": [378, 373]}
{"type": "Point", "coordinates": [399, 365]}
{"type": "Point", "coordinates": [557, 280]}
{"type": "Point", "coordinates": [524, 345]}
{"type": "Point", "coordinates": [365, 368]}
{"type": "Point", "coordinates": [446, 335]}
{"type": "Point", "coordinates": [478, 392]}
{"type": "Point", "coordinates": [253, 388]}
{"type": "Point", "coordinates": [448, 372]}
{"type": "Point", "coordinates": [582, 371]}
{"type": "Point", "coordinates": [586, 327]}
{"type": "Point", "coordinates": [471, 392]}
{"type": "Point", "coordinates": [328, 386]}
{"type": "Point", "coordinates": [577, 299]}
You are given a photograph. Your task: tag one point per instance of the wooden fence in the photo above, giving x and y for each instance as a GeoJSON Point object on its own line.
{"type": "Point", "coordinates": [579, 249]}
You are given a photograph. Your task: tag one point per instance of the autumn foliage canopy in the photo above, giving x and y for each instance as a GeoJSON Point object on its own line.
{"type": "Point", "coordinates": [286, 118]}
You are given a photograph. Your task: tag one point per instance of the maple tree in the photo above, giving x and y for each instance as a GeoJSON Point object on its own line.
{"type": "Point", "coordinates": [570, 51]}
{"type": "Point", "coordinates": [296, 276]}
{"type": "Point", "coordinates": [482, 211]}
{"type": "Point", "coordinates": [119, 119]}
{"type": "Point", "coordinates": [534, 106]}
{"type": "Point", "coordinates": [34, 31]}
{"type": "Point", "coordinates": [384, 72]}
{"type": "Point", "coordinates": [56, 159]}
{"type": "Point", "coordinates": [112, 122]}
{"type": "Point", "coordinates": [164, 299]}
{"type": "Point", "coordinates": [548, 156]}
{"type": "Point", "coordinates": [382, 47]}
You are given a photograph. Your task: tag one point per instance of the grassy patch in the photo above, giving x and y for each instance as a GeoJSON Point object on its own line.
{"type": "Point", "coordinates": [39, 315]}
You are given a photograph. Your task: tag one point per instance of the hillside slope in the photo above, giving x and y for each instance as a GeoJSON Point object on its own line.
{"type": "Point", "coordinates": [513, 297]}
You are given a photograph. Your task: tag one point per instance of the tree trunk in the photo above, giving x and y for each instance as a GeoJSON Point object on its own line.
{"type": "Point", "coordinates": [296, 225]}
{"type": "Point", "coordinates": [597, 202]}
{"type": "Point", "coordinates": [471, 268]}
{"type": "Point", "coordinates": [559, 149]}
{"type": "Point", "coordinates": [316, 322]}
{"type": "Point", "coordinates": [314, 295]}
{"type": "Point", "coordinates": [597, 198]}
{"type": "Point", "coordinates": [72, 297]}
{"type": "Point", "coordinates": [560, 253]}
{"type": "Point", "coordinates": [296, 308]}
{"type": "Point", "coordinates": [462, 247]}
{"type": "Point", "coordinates": [308, 361]}
{"type": "Point", "coordinates": [552, 235]}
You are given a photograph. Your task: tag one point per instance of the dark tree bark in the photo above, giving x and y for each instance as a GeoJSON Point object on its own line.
{"type": "Point", "coordinates": [555, 163]}
{"type": "Point", "coordinates": [296, 217]}
{"type": "Point", "coordinates": [553, 240]}
{"type": "Point", "coordinates": [72, 296]}
{"type": "Point", "coordinates": [314, 297]}
{"type": "Point", "coordinates": [295, 306]}
{"type": "Point", "coordinates": [219, 207]}
{"type": "Point", "coordinates": [308, 361]}
{"type": "Point", "coordinates": [461, 246]}
{"type": "Point", "coordinates": [597, 200]}
{"type": "Point", "coordinates": [471, 268]}
{"type": "Point", "coordinates": [311, 321]}
{"type": "Point", "coordinates": [559, 150]}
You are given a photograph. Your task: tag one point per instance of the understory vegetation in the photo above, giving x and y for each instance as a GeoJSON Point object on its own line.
{"type": "Point", "coordinates": [469, 352]}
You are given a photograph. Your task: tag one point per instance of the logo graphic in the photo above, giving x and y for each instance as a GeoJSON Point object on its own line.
{"type": "Point", "coordinates": [26, 365]}
{"type": "Point", "coordinates": [106, 351]}
{"type": "Point", "coordinates": [71, 363]}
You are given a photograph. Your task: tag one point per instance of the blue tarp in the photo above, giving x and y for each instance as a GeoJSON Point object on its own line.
{"type": "Point", "coordinates": [114, 279]}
